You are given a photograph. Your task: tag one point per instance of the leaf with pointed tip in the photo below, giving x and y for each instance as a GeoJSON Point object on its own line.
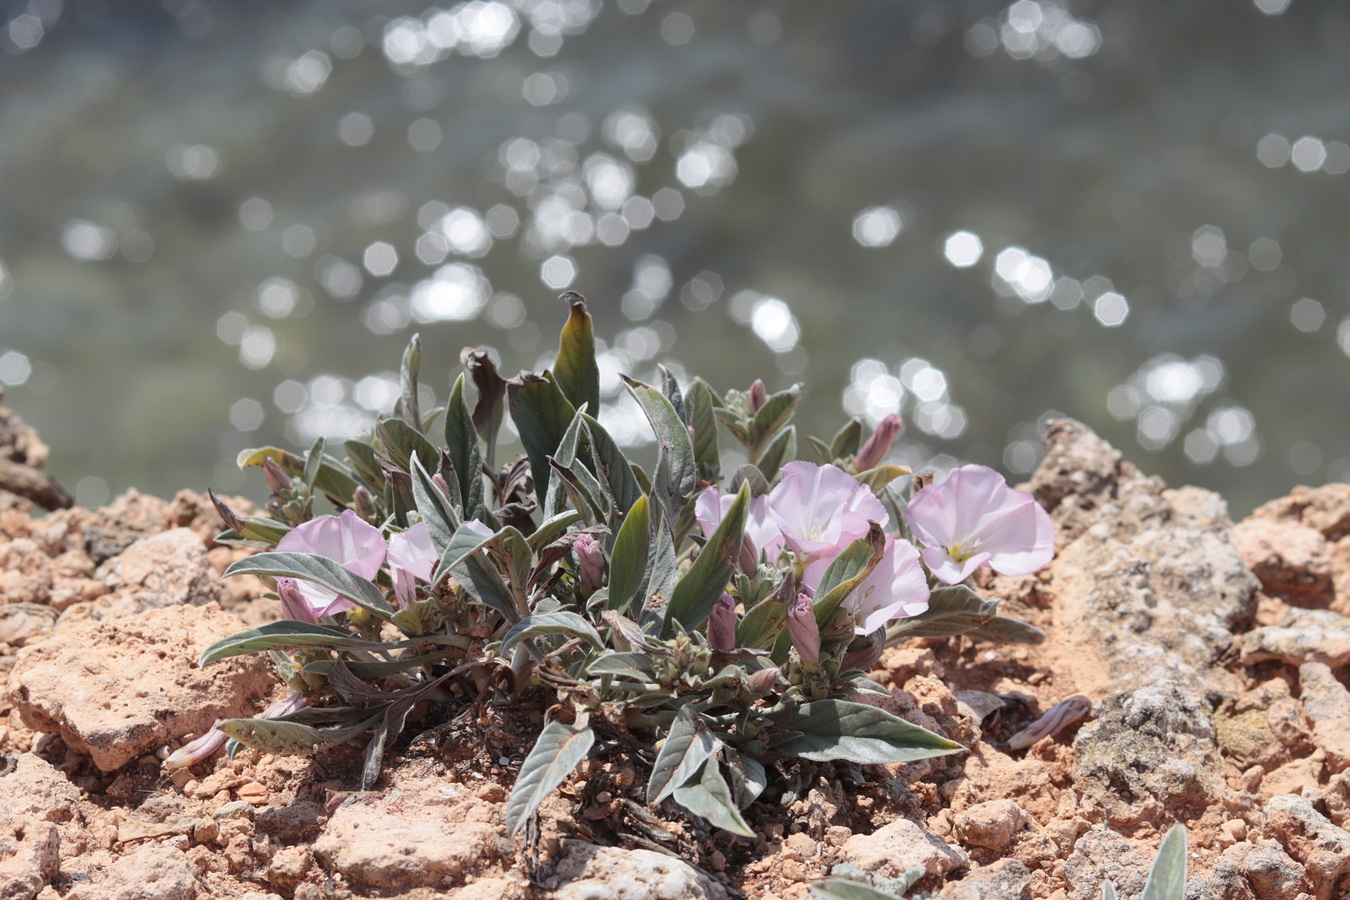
{"type": "Point", "coordinates": [1108, 890]}
{"type": "Point", "coordinates": [848, 570]}
{"type": "Point", "coordinates": [687, 746]}
{"type": "Point", "coordinates": [710, 797]}
{"type": "Point", "coordinates": [487, 412]}
{"type": "Point", "coordinates": [388, 729]}
{"type": "Point", "coordinates": [771, 418]}
{"type": "Point", "coordinates": [633, 665]}
{"type": "Point", "coordinates": [284, 634]}
{"type": "Point", "coordinates": [366, 465]}
{"type": "Point", "coordinates": [840, 729]}
{"type": "Point", "coordinates": [628, 560]}
{"type": "Point", "coordinates": [440, 517]}
{"type": "Point", "coordinates": [552, 528]}
{"type": "Point", "coordinates": [313, 459]}
{"type": "Point", "coordinates": [881, 476]}
{"type": "Point", "coordinates": [558, 751]}
{"type": "Point", "coordinates": [1167, 878]}
{"type": "Point", "coordinates": [762, 623]}
{"type": "Point", "coordinates": [610, 464]}
{"type": "Point", "coordinates": [698, 406]}
{"type": "Point", "coordinates": [780, 450]}
{"type": "Point", "coordinates": [702, 586]}
{"type": "Point", "coordinates": [1007, 630]}
{"type": "Point", "coordinates": [580, 487]}
{"type": "Point", "coordinates": [412, 360]}
{"type": "Point", "coordinates": [952, 609]}
{"type": "Point", "coordinates": [318, 569]}
{"type": "Point", "coordinates": [576, 370]}
{"type": "Point", "coordinates": [846, 889]}
{"type": "Point", "coordinates": [461, 443]}
{"type": "Point", "coordinates": [748, 778]}
{"type": "Point", "coordinates": [560, 622]}
{"type": "Point", "coordinates": [541, 414]}
{"type": "Point", "coordinates": [464, 543]}
{"type": "Point", "coordinates": [401, 441]}
{"type": "Point", "coordinates": [847, 440]}
{"type": "Point", "coordinates": [676, 471]}
{"type": "Point", "coordinates": [822, 449]}
{"type": "Point", "coordinates": [281, 736]}
{"type": "Point", "coordinates": [564, 455]}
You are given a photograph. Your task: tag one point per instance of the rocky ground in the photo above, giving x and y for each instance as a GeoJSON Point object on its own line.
{"type": "Point", "coordinates": [1215, 658]}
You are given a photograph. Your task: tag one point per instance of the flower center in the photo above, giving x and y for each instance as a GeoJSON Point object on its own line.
{"type": "Point", "coordinates": [961, 554]}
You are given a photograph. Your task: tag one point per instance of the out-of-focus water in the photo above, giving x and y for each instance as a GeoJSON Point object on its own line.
{"type": "Point", "coordinates": [221, 222]}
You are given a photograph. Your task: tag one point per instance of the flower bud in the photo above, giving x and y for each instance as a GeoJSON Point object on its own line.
{"type": "Point", "coordinates": [758, 395]}
{"type": "Point", "coordinates": [803, 629]}
{"type": "Point", "coordinates": [879, 444]}
{"type": "Point", "coordinates": [748, 561]}
{"type": "Point", "coordinates": [443, 486]}
{"type": "Point", "coordinates": [722, 624]}
{"type": "Point", "coordinates": [764, 680]}
{"type": "Point", "coordinates": [864, 652]}
{"type": "Point", "coordinates": [363, 504]}
{"type": "Point", "coordinates": [590, 563]}
{"type": "Point", "coordinates": [278, 482]}
{"type": "Point", "coordinates": [293, 603]}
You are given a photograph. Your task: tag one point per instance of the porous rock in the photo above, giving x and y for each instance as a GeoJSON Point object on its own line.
{"type": "Point", "coordinates": [1100, 855]}
{"type": "Point", "coordinates": [1265, 870]}
{"type": "Point", "coordinates": [991, 824]}
{"type": "Point", "coordinates": [116, 690]}
{"type": "Point", "coordinates": [893, 849]}
{"type": "Point", "coordinates": [1301, 635]}
{"type": "Point", "coordinates": [1308, 837]}
{"type": "Point", "coordinates": [154, 872]}
{"type": "Point", "coordinates": [163, 570]}
{"type": "Point", "coordinates": [1326, 703]}
{"type": "Point", "coordinates": [1007, 879]}
{"type": "Point", "coordinates": [1292, 561]}
{"type": "Point", "coordinates": [29, 855]}
{"type": "Point", "coordinates": [35, 788]}
{"type": "Point", "coordinates": [589, 872]}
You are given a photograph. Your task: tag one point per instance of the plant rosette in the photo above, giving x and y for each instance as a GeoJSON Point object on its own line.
{"type": "Point", "coordinates": [719, 621]}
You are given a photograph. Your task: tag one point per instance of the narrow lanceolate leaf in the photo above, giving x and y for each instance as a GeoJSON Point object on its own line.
{"type": "Point", "coordinates": [698, 591]}
{"type": "Point", "coordinates": [562, 622]}
{"type": "Point", "coordinates": [461, 442]}
{"type": "Point", "coordinates": [687, 747]}
{"type": "Point", "coordinates": [881, 476]}
{"type": "Point", "coordinates": [1108, 890]}
{"type": "Point", "coordinates": [953, 609]}
{"type": "Point", "coordinates": [464, 543]}
{"type": "Point", "coordinates": [557, 752]}
{"type": "Point", "coordinates": [709, 796]}
{"type": "Point", "coordinates": [847, 440]}
{"type": "Point", "coordinates": [286, 633]}
{"type": "Point", "coordinates": [854, 563]}
{"type": "Point", "coordinates": [676, 471]}
{"type": "Point", "coordinates": [628, 561]}
{"type": "Point", "coordinates": [698, 408]}
{"type": "Point", "coordinates": [611, 465]}
{"type": "Point", "coordinates": [401, 441]}
{"type": "Point", "coordinates": [772, 417]}
{"type": "Point", "coordinates": [844, 889]}
{"type": "Point", "coordinates": [1006, 630]}
{"type": "Point", "coordinates": [781, 449]}
{"type": "Point", "coordinates": [839, 729]}
{"type": "Point", "coordinates": [412, 361]}
{"type": "Point", "coordinates": [318, 569]}
{"type": "Point", "coordinates": [1167, 878]}
{"type": "Point", "coordinates": [576, 371]}
{"type": "Point", "coordinates": [541, 414]}
{"type": "Point", "coordinates": [281, 736]}
{"type": "Point", "coordinates": [487, 412]}
{"type": "Point", "coordinates": [313, 459]}
{"type": "Point", "coordinates": [748, 778]}
{"type": "Point", "coordinates": [440, 516]}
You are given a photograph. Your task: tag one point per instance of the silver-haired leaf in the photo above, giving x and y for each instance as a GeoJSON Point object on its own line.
{"type": "Point", "coordinates": [839, 729]}
{"type": "Point", "coordinates": [687, 747]}
{"type": "Point", "coordinates": [1167, 878]}
{"type": "Point", "coordinates": [710, 797]}
{"type": "Point", "coordinates": [558, 751]}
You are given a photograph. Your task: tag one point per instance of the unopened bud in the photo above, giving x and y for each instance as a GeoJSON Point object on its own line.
{"type": "Point", "coordinates": [748, 561]}
{"type": "Point", "coordinates": [864, 652]}
{"type": "Point", "coordinates": [278, 482]}
{"type": "Point", "coordinates": [764, 680]}
{"type": "Point", "coordinates": [758, 395]}
{"type": "Point", "coordinates": [590, 563]}
{"type": "Point", "coordinates": [207, 744]}
{"type": "Point", "coordinates": [443, 486]}
{"type": "Point", "coordinates": [722, 624]}
{"type": "Point", "coordinates": [293, 603]}
{"type": "Point", "coordinates": [362, 504]}
{"type": "Point", "coordinates": [879, 444]}
{"type": "Point", "coordinates": [803, 629]}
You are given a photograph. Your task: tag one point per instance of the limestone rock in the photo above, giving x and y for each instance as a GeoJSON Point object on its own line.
{"type": "Point", "coordinates": [1292, 561]}
{"type": "Point", "coordinates": [895, 848]}
{"type": "Point", "coordinates": [154, 872]}
{"type": "Point", "coordinates": [29, 855]}
{"type": "Point", "coordinates": [1303, 635]}
{"type": "Point", "coordinates": [1100, 855]}
{"type": "Point", "coordinates": [164, 569]}
{"type": "Point", "coordinates": [120, 689]}
{"type": "Point", "coordinates": [1325, 509]}
{"type": "Point", "coordinates": [991, 824]}
{"type": "Point", "coordinates": [588, 872]}
{"type": "Point", "coordinates": [1265, 869]}
{"type": "Point", "coordinates": [1319, 846]}
{"type": "Point", "coordinates": [38, 790]}
{"type": "Point", "coordinates": [1326, 703]}
{"type": "Point", "coordinates": [1006, 879]}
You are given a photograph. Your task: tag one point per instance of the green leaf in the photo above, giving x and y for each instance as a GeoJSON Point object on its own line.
{"type": "Point", "coordinates": [318, 569]}
{"type": "Point", "coordinates": [881, 476]}
{"type": "Point", "coordinates": [1108, 890]}
{"type": "Point", "coordinates": [635, 666]}
{"type": "Point", "coordinates": [580, 487]}
{"type": "Point", "coordinates": [953, 609]}
{"type": "Point", "coordinates": [440, 517]}
{"type": "Point", "coordinates": [487, 412]}
{"type": "Point", "coordinates": [464, 543]}
{"type": "Point", "coordinates": [628, 560]}
{"type": "Point", "coordinates": [699, 404]}
{"type": "Point", "coordinates": [412, 359]}
{"type": "Point", "coordinates": [772, 417]}
{"type": "Point", "coordinates": [1003, 629]}
{"type": "Point", "coordinates": [687, 747]}
{"type": "Point", "coordinates": [702, 586]}
{"type": "Point", "coordinates": [763, 622]}
{"type": "Point", "coordinates": [748, 778]}
{"type": "Point", "coordinates": [780, 450]}
{"type": "Point", "coordinates": [610, 464]}
{"type": "Point", "coordinates": [710, 797]}
{"type": "Point", "coordinates": [461, 443]}
{"type": "Point", "coordinates": [286, 633]}
{"type": "Point", "coordinates": [848, 570]}
{"type": "Point", "coordinates": [553, 528]}
{"type": "Point", "coordinates": [561, 622]}
{"type": "Point", "coordinates": [1167, 878]}
{"type": "Point", "coordinates": [541, 414]}
{"type": "Point", "coordinates": [676, 471]}
{"type": "Point", "coordinates": [847, 440]}
{"type": "Point", "coordinates": [557, 752]}
{"type": "Point", "coordinates": [401, 441]}
{"type": "Point", "coordinates": [840, 729]}
{"type": "Point", "coordinates": [366, 465]}
{"type": "Point", "coordinates": [846, 889]}
{"type": "Point", "coordinates": [312, 461]}
{"type": "Point", "coordinates": [576, 372]}
{"type": "Point", "coordinates": [282, 736]}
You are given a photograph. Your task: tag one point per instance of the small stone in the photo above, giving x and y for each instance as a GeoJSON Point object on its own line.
{"type": "Point", "coordinates": [1326, 703]}
{"type": "Point", "coordinates": [588, 872]}
{"type": "Point", "coordinates": [150, 873]}
{"type": "Point", "coordinates": [1322, 848]}
{"type": "Point", "coordinates": [991, 824]}
{"type": "Point", "coordinates": [1006, 879]}
{"type": "Point", "coordinates": [29, 855]}
{"type": "Point", "coordinates": [1291, 560]}
{"type": "Point", "coordinates": [253, 792]}
{"type": "Point", "coordinates": [892, 850]}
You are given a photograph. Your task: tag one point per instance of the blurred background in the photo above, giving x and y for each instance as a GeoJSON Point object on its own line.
{"type": "Point", "coordinates": [220, 222]}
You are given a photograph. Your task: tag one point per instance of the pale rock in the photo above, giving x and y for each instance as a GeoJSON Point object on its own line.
{"type": "Point", "coordinates": [1302, 635]}
{"type": "Point", "coordinates": [588, 872]}
{"type": "Point", "coordinates": [153, 872]}
{"type": "Point", "coordinates": [25, 572]}
{"type": "Point", "coordinates": [164, 569]}
{"type": "Point", "coordinates": [392, 846]}
{"type": "Point", "coordinates": [1325, 509]}
{"type": "Point", "coordinates": [1322, 848]}
{"type": "Point", "coordinates": [1100, 855]}
{"type": "Point", "coordinates": [1265, 868]}
{"type": "Point", "coordinates": [1006, 879]}
{"type": "Point", "coordinates": [489, 889]}
{"type": "Point", "coordinates": [120, 689]}
{"type": "Point", "coordinates": [30, 855]}
{"type": "Point", "coordinates": [35, 788]}
{"type": "Point", "coordinates": [1290, 778]}
{"type": "Point", "coordinates": [1326, 703]}
{"type": "Point", "coordinates": [1292, 561]}
{"type": "Point", "coordinates": [991, 824]}
{"type": "Point", "coordinates": [895, 848]}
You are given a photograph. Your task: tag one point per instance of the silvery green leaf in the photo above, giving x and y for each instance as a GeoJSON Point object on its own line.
{"type": "Point", "coordinates": [579, 486]}
{"type": "Point", "coordinates": [312, 461]}
{"type": "Point", "coordinates": [709, 796]}
{"type": "Point", "coordinates": [952, 609]}
{"type": "Point", "coordinates": [781, 449]}
{"type": "Point", "coordinates": [623, 664]}
{"type": "Point", "coordinates": [699, 404]}
{"type": "Point", "coordinates": [687, 746]}
{"type": "Point", "coordinates": [320, 570]}
{"type": "Point", "coordinates": [628, 560]}
{"type": "Point", "coordinates": [772, 417]}
{"type": "Point", "coordinates": [840, 729]}
{"type": "Point", "coordinates": [698, 591]}
{"type": "Point", "coordinates": [401, 441]}
{"type": "Point", "coordinates": [1108, 890]}
{"type": "Point", "coordinates": [557, 752]}
{"type": "Point", "coordinates": [1167, 878]}
{"type": "Point", "coordinates": [748, 778]}
{"type": "Point", "coordinates": [286, 633]}
{"type": "Point", "coordinates": [847, 440]}
{"type": "Point", "coordinates": [676, 471]}
{"type": "Point", "coordinates": [609, 462]}
{"type": "Point", "coordinates": [553, 528]}
{"type": "Point", "coordinates": [541, 414]}
{"type": "Point", "coordinates": [461, 443]}
{"type": "Point", "coordinates": [565, 623]}
{"type": "Point", "coordinates": [440, 516]}
{"type": "Point", "coordinates": [1007, 630]}
{"type": "Point", "coordinates": [281, 736]}
{"type": "Point", "coordinates": [464, 543]}
{"type": "Point", "coordinates": [412, 361]}
{"type": "Point", "coordinates": [564, 455]}
{"type": "Point", "coordinates": [576, 370]}
{"type": "Point", "coordinates": [844, 889]}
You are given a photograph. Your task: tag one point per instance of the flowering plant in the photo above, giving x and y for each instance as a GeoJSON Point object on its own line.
{"type": "Point", "coordinates": [712, 622]}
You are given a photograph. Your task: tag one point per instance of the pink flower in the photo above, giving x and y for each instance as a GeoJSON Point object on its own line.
{"type": "Point", "coordinates": [821, 510]}
{"type": "Point", "coordinates": [974, 519]}
{"type": "Point", "coordinates": [590, 563]}
{"type": "Point", "coordinates": [711, 507]}
{"type": "Point", "coordinates": [896, 589]}
{"type": "Point", "coordinates": [411, 556]}
{"type": "Point", "coordinates": [355, 545]}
